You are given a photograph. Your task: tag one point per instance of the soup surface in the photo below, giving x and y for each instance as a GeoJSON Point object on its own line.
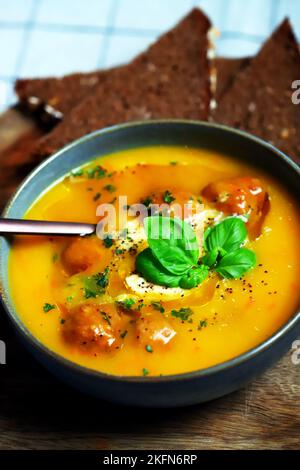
{"type": "Point", "coordinates": [86, 300]}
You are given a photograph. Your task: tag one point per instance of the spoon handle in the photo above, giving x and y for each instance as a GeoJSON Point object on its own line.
{"type": "Point", "coordinates": [43, 227]}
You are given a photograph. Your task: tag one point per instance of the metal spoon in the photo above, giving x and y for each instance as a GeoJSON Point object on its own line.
{"type": "Point", "coordinates": [43, 227]}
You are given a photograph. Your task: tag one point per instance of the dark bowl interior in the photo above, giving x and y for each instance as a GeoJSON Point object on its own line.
{"type": "Point", "coordinates": [176, 390]}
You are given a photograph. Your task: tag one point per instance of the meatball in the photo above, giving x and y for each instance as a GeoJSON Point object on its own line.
{"type": "Point", "coordinates": [92, 327]}
{"type": "Point", "coordinates": [154, 330]}
{"type": "Point", "coordinates": [243, 195]}
{"type": "Point", "coordinates": [81, 254]}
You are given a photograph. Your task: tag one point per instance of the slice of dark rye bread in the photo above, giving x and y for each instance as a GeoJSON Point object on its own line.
{"type": "Point", "coordinates": [170, 80]}
{"type": "Point", "coordinates": [226, 71]}
{"type": "Point", "coordinates": [57, 96]}
{"type": "Point", "coordinates": [260, 98]}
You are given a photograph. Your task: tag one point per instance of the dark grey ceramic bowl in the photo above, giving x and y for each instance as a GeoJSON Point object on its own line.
{"type": "Point", "coordinates": [175, 390]}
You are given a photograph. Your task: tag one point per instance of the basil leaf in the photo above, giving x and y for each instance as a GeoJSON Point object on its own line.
{"type": "Point", "coordinates": [193, 277]}
{"type": "Point", "coordinates": [228, 235]}
{"type": "Point", "coordinates": [236, 263]}
{"type": "Point", "coordinates": [151, 269]}
{"type": "Point", "coordinates": [210, 258]}
{"type": "Point", "coordinates": [173, 242]}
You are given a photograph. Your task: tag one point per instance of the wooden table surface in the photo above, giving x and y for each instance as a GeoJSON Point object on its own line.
{"type": "Point", "coordinates": [38, 412]}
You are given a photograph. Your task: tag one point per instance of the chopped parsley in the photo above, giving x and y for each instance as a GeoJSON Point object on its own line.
{"type": "Point", "coordinates": [97, 196]}
{"type": "Point", "coordinates": [55, 257]}
{"type": "Point", "coordinates": [108, 241]}
{"type": "Point", "coordinates": [106, 317]}
{"type": "Point", "coordinates": [95, 285]}
{"type": "Point", "coordinates": [202, 324]}
{"type": "Point", "coordinates": [110, 188]}
{"type": "Point", "coordinates": [184, 313]}
{"type": "Point", "coordinates": [173, 163]}
{"type": "Point", "coordinates": [158, 306]}
{"type": "Point", "coordinates": [48, 307]}
{"type": "Point", "coordinates": [98, 172]}
{"type": "Point", "coordinates": [149, 348]}
{"type": "Point", "coordinates": [89, 293]}
{"type": "Point", "coordinates": [126, 304]}
{"type": "Point", "coordinates": [145, 372]}
{"type": "Point", "coordinates": [62, 321]}
{"type": "Point", "coordinates": [102, 278]}
{"type": "Point", "coordinates": [123, 334]}
{"type": "Point", "coordinates": [168, 197]}
{"type": "Point", "coordinates": [147, 201]}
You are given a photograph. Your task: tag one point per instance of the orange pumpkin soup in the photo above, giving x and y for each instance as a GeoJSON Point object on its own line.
{"type": "Point", "coordinates": [127, 304]}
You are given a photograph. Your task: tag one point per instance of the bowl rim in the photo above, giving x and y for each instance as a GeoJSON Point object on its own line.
{"type": "Point", "coordinates": [169, 378]}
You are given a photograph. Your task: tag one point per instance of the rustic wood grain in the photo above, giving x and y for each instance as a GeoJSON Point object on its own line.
{"type": "Point", "coordinates": [38, 412]}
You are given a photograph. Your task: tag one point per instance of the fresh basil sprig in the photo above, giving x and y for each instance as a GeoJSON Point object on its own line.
{"type": "Point", "coordinates": [173, 253]}
{"type": "Point", "coordinates": [224, 254]}
{"type": "Point", "coordinates": [172, 258]}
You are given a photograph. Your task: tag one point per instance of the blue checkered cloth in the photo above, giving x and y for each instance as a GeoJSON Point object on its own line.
{"type": "Point", "coordinates": [55, 37]}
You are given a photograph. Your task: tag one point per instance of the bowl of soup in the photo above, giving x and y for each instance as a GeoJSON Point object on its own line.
{"type": "Point", "coordinates": [189, 287]}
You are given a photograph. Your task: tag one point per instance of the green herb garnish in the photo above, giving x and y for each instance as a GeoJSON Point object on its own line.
{"type": "Point", "coordinates": [224, 254]}
{"type": "Point", "coordinates": [102, 278]}
{"type": "Point", "coordinates": [193, 277]}
{"type": "Point", "coordinates": [95, 285]}
{"type": "Point", "coordinates": [158, 306]}
{"type": "Point", "coordinates": [110, 188]}
{"type": "Point", "coordinates": [123, 334]}
{"type": "Point", "coordinates": [227, 235]}
{"type": "Point", "coordinates": [48, 307]}
{"type": "Point", "coordinates": [125, 304]}
{"type": "Point", "coordinates": [172, 258]}
{"type": "Point", "coordinates": [145, 372]}
{"type": "Point", "coordinates": [173, 242]}
{"type": "Point", "coordinates": [149, 348]}
{"type": "Point", "coordinates": [89, 293]}
{"type": "Point", "coordinates": [202, 324]}
{"type": "Point", "coordinates": [173, 253]}
{"type": "Point", "coordinates": [147, 201]}
{"type": "Point", "coordinates": [108, 241]}
{"type": "Point", "coordinates": [168, 197]}
{"type": "Point", "coordinates": [98, 172]}
{"type": "Point", "coordinates": [184, 313]}
{"type": "Point", "coordinates": [106, 317]}
{"type": "Point", "coordinates": [233, 265]}
{"type": "Point", "coordinates": [97, 196]}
